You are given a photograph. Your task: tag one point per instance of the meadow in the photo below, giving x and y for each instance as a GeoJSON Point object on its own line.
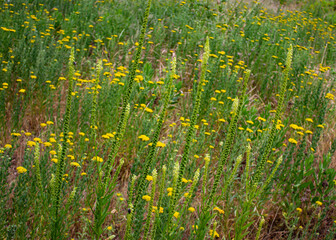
{"type": "Point", "coordinates": [167, 119]}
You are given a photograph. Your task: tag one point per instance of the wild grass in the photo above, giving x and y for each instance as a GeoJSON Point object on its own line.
{"type": "Point", "coordinates": [166, 120]}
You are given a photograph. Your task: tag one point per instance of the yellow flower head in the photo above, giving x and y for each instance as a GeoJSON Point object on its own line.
{"type": "Point", "coordinates": [219, 210]}
{"type": "Point", "coordinates": [146, 197]}
{"type": "Point", "coordinates": [191, 209]}
{"type": "Point", "coordinates": [47, 144]}
{"type": "Point", "coordinates": [213, 233]}
{"type": "Point", "coordinates": [184, 180]}
{"type": "Point", "coordinates": [21, 169]}
{"type": "Point", "coordinates": [309, 120]}
{"type": "Point", "coordinates": [160, 144]}
{"type": "Point", "coordinates": [31, 143]}
{"type": "Point", "coordinates": [149, 178]}
{"type": "Point", "coordinates": [52, 152]}
{"type": "Point", "coordinates": [8, 146]}
{"type": "Point", "coordinates": [143, 138]}
{"type": "Point", "coordinates": [292, 140]}
{"type": "Point", "coordinates": [98, 159]}
{"type": "Point", "coordinates": [75, 164]}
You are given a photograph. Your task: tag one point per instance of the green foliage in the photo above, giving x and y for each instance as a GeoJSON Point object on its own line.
{"type": "Point", "coordinates": [56, 219]}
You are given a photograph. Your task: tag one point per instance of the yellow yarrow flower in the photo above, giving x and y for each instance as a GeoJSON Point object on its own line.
{"type": "Point", "coordinates": [47, 144]}
{"type": "Point", "coordinates": [329, 96]}
{"type": "Point", "coordinates": [143, 138]}
{"type": "Point", "coordinates": [292, 140]}
{"type": "Point", "coordinates": [214, 234]}
{"type": "Point", "coordinates": [149, 178]}
{"type": "Point", "coordinates": [21, 169]}
{"type": "Point", "coordinates": [148, 110]}
{"type": "Point", "coordinates": [98, 159]}
{"type": "Point", "coordinates": [160, 144]}
{"type": "Point", "coordinates": [37, 140]}
{"type": "Point", "coordinates": [52, 152]}
{"type": "Point", "coordinates": [219, 210]}
{"type": "Point", "coordinates": [146, 198]}
{"type": "Point", "coordinates": [75, 164]}
{"type": "Point", "coordinates": [191, 209]}
{"type": "Point", "coordinates": [309, 120]}
{"type": "Point", "coordinates": [31, 143]}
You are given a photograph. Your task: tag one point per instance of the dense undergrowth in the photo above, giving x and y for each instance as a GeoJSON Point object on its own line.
{"type": "Point", "coordinates": [166, 120]}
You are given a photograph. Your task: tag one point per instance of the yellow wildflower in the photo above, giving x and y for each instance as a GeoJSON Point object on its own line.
{"type": "Point", "coordinates": [149, 178]}
{"type": "Point", "coordinates": [31, 143]}
{"type": "Point", "coordinates": [21, 169]}
{"type": "Point", "coordinates": [146, 197]}
{"type": "Point", "coordinates": [219, 210]}
{"type": "Point", "coordinates": [143, 138]}
{"type": "Point", "coordinates": [76, 164]}
{"type": "Point", "coordinates": [214, 234]}
{"type": "Point", "coordinates": [191, 209]}
{"type": "Point", "coordinates": [160, 144]}
{"type": "Point", "coordinates": [98, 159]}
{"type": "Point", "coordinates": [52, 152]}
{"type": "Point", "coordinates": [47, 144]}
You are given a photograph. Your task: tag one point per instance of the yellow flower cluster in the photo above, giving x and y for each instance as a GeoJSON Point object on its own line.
{"type": "Point", "coordinates": [98, 159]}
{"type": "Point", "coordinates": [21, 169]}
